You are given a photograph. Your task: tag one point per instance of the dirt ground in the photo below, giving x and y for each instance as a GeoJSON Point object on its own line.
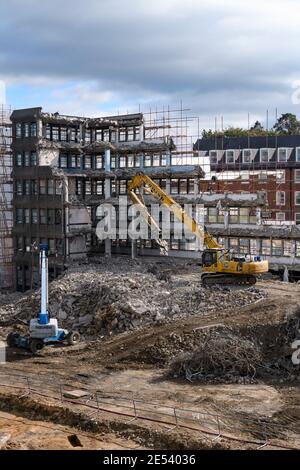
{"type": "Point", "coordinates": [133, 366]}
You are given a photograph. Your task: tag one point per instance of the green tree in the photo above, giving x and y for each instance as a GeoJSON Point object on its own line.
{"type": "Point", "coordinates": [287, 124]}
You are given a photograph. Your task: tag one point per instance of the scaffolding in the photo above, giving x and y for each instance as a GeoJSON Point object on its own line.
{"type": "Point", "coordinates": [6, 193]}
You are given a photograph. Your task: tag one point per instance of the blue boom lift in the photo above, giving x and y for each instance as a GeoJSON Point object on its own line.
{"type": "Point", "coordinates": [43, 330]}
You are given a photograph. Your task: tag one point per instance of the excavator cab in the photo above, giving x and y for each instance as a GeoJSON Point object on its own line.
{"type": "Point", "coordinates": [209, 258]}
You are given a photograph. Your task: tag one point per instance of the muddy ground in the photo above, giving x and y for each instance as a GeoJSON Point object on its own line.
{"type": "Point", "coordinates": [135, 365]}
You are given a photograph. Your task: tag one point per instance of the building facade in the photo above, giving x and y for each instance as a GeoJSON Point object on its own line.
{"type": "Point", "coordinates": [270, 165]}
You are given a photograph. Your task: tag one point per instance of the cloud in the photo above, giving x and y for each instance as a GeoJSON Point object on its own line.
{"type": "Point", "coordinates": [219, 56]}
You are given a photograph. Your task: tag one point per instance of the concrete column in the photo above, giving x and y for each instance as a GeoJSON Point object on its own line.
{"type": "Point", "coordinates": [142, 160]}
{"type": "Point", "coordinates": [168, 186]}
{"type": "Point", "coordinates": [258, 246]}
{"type": "Point", "coordinates": [168, 158]}
{"type": "Point", "coordinates": [196, 187]}
{"type": "Point", "coordinates": [107, 194]}
{"type": "Point", "coordinates": [133, 249]}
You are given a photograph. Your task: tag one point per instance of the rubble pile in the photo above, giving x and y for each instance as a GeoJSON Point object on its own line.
{"type": "Point", "coordinates": [100, 299]}
{"type": "Point", "coordinates": [220, 356]}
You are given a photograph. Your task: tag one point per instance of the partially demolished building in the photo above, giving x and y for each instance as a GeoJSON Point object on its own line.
{"type": "Point", "coordinates": [64, 167]}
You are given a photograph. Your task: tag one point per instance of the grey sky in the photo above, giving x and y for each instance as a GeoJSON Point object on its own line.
{"type": "Point", "coordinates": [220, 57]}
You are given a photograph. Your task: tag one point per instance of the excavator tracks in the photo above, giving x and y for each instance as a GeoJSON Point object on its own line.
{"type": "Point", "coordinates": [209, 279]}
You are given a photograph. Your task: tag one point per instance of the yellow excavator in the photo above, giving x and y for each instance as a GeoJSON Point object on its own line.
{"type": "Point", "coordinates": [219, 265]}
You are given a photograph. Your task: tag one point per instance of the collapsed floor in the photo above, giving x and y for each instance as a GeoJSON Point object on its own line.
{"type": "Point", "coordinates": [227, 350]}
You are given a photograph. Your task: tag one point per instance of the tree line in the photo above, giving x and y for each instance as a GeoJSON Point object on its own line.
{"type": "Point", "coordinates": [286, 124]}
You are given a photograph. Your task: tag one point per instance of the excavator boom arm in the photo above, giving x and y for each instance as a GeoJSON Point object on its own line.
{"type": "Point", "coordinates": [140, 181]}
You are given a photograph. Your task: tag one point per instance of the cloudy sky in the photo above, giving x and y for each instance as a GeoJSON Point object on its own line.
{"type": "Point", "coordinates": [100, 57]}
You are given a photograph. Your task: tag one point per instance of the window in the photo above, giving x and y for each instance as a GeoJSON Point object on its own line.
{"type": "Point", "coordinates": [297, 176]}
{"type": "Point", "coordinates": [298, 154]}
{"type": "Point", "coordinates": [122, 161]}
{"type": "Point", "coordinates": [43, 216]}
{"type": "Point", "coordinates": [122, 187]}
{"type": "Point", "coordinates": [58, 187]}
{"type": "Point", "coordinates": [63, 161]}
{"type": "Point", "coordinates": [244, 215]}
{"type": "Point", "coordinates": [137, 133]}
{"type": "Point", "coordinates": [113, 136]}
{"type": "Point", "coordinates": [48, 132]}
{"type": "Point", "coordinates": [287, 247]}
{"type": "Point", "coordinates": [147, 160]}
{"type": "Point", "coordinates": [233, 215]}
{"type": "Point", "coordinates": [19, 243]}
{"type": "Point", "coordinates": [79, 187]}
{"type": "Point", "coordinates": [63, 134]}
{"type": "Point", "coordinates": [280, 176]}
{"type": "Point", "coordinates": [244, 246]}
{"type": "Point", "coordinates": [26, 159]}
{"type": "Point", "coordinates": [88, 188]}
{"type": "Point", "coordinates": [57, 216]}
{"type": "Point", "coordinates": [99, 162]}
{"type": "Point", "coordinates": [98, 135]}
{"type": "Point", "coordinates": [34, 216]}
{"type": "Point", "coordinates": [246, 156]}
{"type": "Point", "coordinates": [50, 186]}
{"type": "Point", "coordinates": [113, 162]}
{"type": "Point", "coordinates": [19, 216]}
{"type": "Point", "coordinates": [122, 135]}
{"type": "Point", "coordinates": [130, 161]}
{"type": "Point", "coordinates": [52, 246]}
{"type": "Point", "coordinates": [280, 216]}
{"type": "Point", "coordinates": [106, 135]}
{"type": "Point", "coordinates": [73, 134]}
{"type": "Point", "coordinates": [297, 198]}
{"type": "Point", "coordinates": [130, 134]}
{"type": "Point", "coordinates": [87, 162]}
{"type": "Point", "coordinates": [55, 133]}
{"type": "Point", "coordinates": [280, 198]}
{"type": "Point", "coordinates": [33, 129]}
{"type": "Point", "coordinates": [264, 155]}
{"type": "Point", "coordinates": [19, 159]}
{"type": "Point", "coordinates": [229, 156]}
{"type": "Point", "coordinates": [19, 130]}
{"type": "Point", "coordinates": [88, 136]}
{"type": "Point", "coordinates": [183, 186]}
{"type": "Point", "coordinates": [266, 247]}
{"type": "Point", "coordinates": [51, 217]}
{"type": "Point", "coordinates": [174, 186]}
{"type": "Point", "coordinates": [156, 160]}
{"type": "Point", "coordinates": [43, 187]}
{"type": "Point", "coordinates": [263, 176]}
{"type": "Point", "coordinates": [282, 155]}
{"type": "Point", "coordinates": [277, 248]}
{"type": "Point", "coordinates": [19, 188]}
{"type": "Point", "coordinates": [27, 187]}
{"type": "Point", "coordinates": [75, 161]}
{"type": "Point", "coordinates": [26, 130]}
{"type": "Point", "coordinates": [98, 187]}
{"type": "Point", "coordinates": [33, 159]}
{"type": "Point", "coordinates": [34, 187]}
{"type": "Point", "coordinates": [26, 216]}
{"type": "Point", "coordinates": [213, 156]}
{"type": "Point", "coordinates": [297, 218]}
{"type": "Point", "coordinates": [212, 215]}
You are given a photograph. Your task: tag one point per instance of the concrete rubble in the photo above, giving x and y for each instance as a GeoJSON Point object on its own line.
{"type": "Point", "coordinates": [120, 295]}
